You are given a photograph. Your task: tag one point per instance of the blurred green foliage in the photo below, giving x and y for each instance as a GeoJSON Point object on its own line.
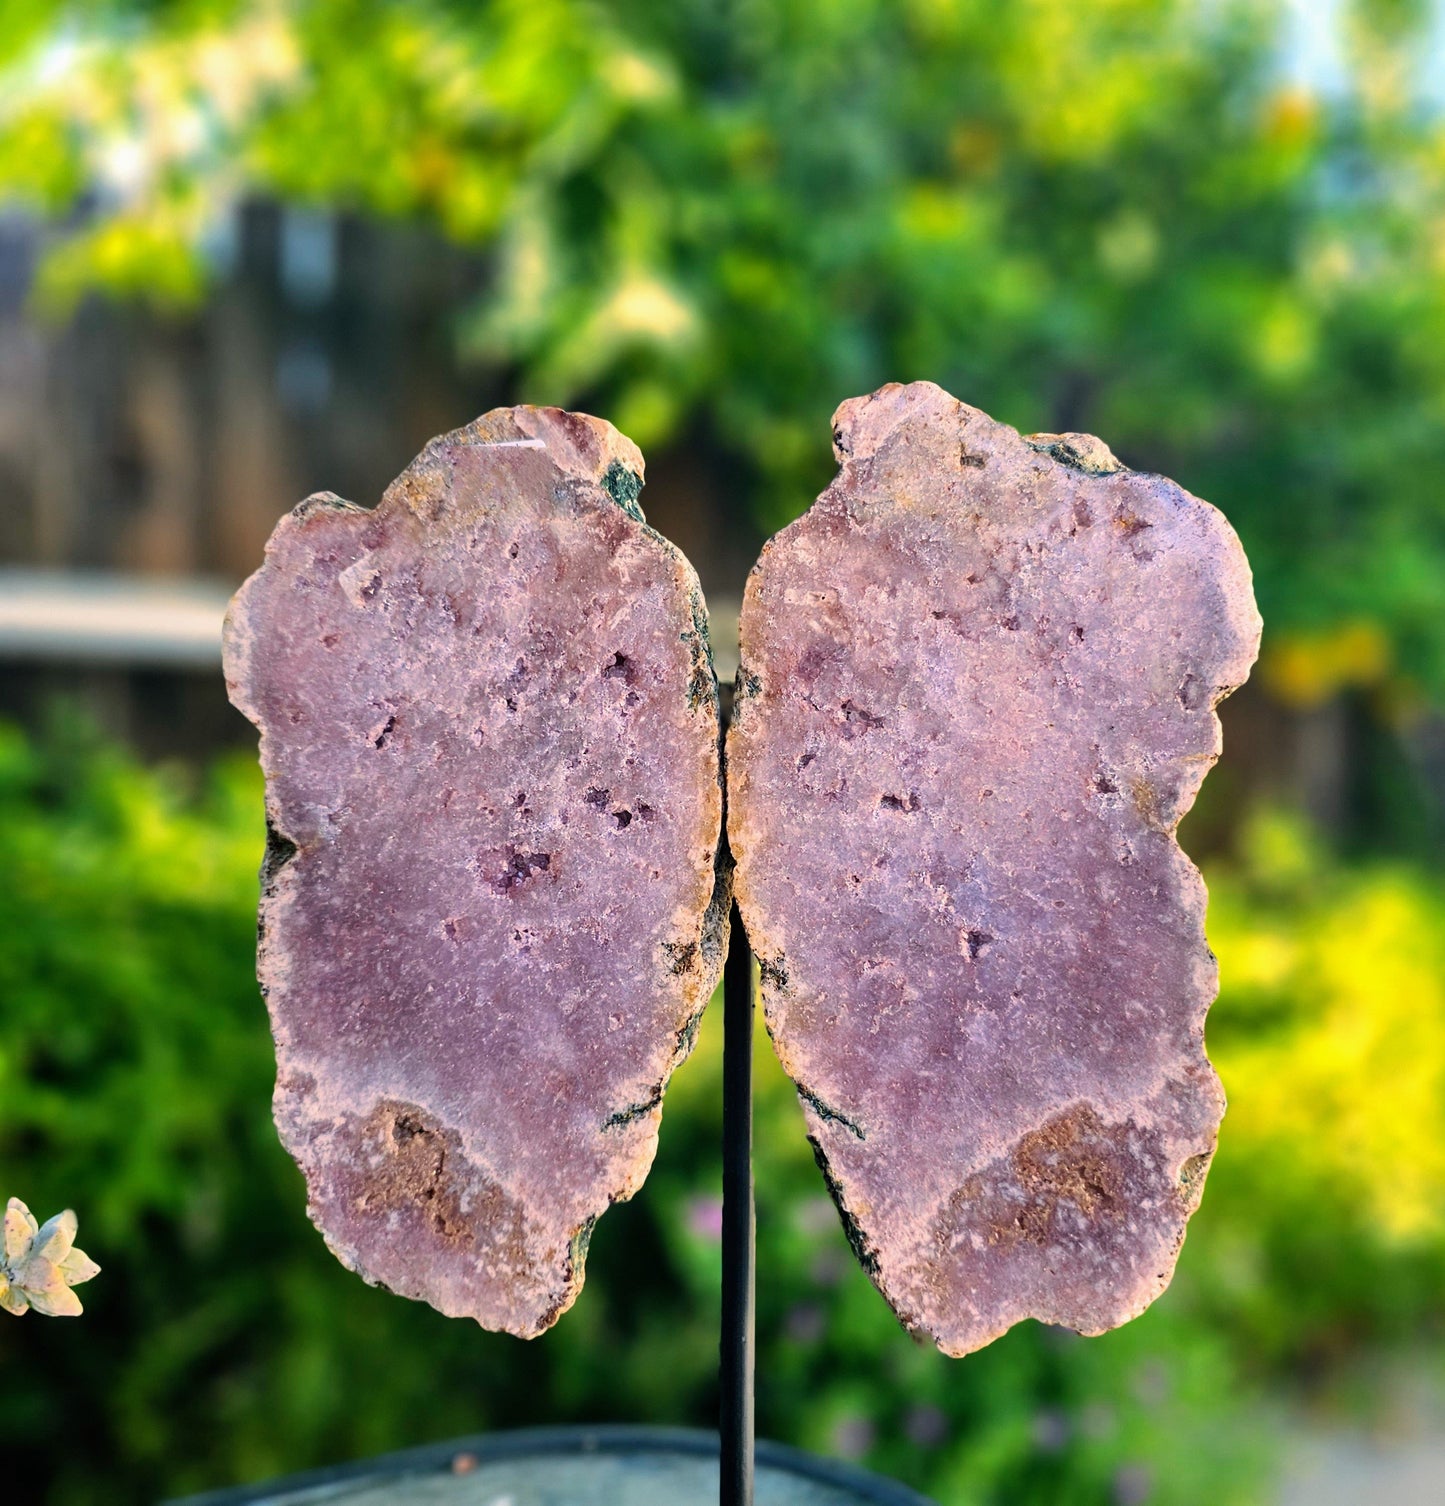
{"type": "Point", "coordinates": [710, 220]}
{"type": "Point", "coordinates": [720, 217]}
{"type": "Point", "coordinates": [223, 1342]}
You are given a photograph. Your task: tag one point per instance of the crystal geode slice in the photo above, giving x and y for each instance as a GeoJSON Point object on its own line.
{"type": "Point", "coordinates": [491, 908]}
{"type": "Point", "coordinates": [977, 694]}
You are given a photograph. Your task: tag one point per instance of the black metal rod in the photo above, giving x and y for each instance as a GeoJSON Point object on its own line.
{"type": "Point", "coordinates": [738, 1357]}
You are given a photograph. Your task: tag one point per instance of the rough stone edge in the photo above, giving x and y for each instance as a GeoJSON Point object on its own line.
{"type": "Point", "coordinates": [860, 428]}
{"type": "Point", "coordinates": [592, 451]}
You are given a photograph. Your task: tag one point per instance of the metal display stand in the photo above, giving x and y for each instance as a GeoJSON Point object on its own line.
{"type": "Point", "coordinates": [738, 1344]}
{"type": "Point", "coordinates": [605, 1466]}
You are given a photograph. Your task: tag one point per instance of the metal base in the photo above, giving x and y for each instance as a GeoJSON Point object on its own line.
{"type": "Point", "coordinates": [602, 1466]}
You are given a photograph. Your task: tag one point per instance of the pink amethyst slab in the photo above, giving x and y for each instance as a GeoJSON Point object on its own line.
{"type": "Point", "coordinates": [491, 913]}
{"type": "Point", "coordinates": [977, 695]}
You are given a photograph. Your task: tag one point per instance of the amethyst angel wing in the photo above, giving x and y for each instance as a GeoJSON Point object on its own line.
{"type": "Point", "coordinates": [491, 911]}
{"type": "Point", "coordinates": [977, 695]}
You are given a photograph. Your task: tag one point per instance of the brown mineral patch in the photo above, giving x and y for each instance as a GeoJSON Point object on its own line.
{"type": "Point", "coordinates": [1078, 1224]}
{"type": "Point", "coordinates": [1074, 1159]}
{"type": "Point", "coordinates": [404, 1151]}
{"type": "Point", "coordinates": [1146, 801]}
{"type": "Point", "coordinates": [399, 1183]}
{"type": "Point", "coordinates": [682, 957]}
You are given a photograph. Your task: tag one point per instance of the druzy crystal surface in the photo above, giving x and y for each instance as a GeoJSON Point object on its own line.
{"type": "Point", "coordinates": [977, 694]}
{"type": "Point", "coordinates": [491, 914]}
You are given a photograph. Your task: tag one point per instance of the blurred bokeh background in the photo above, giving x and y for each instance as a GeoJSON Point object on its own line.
{"type": "Point", "coordinates": [251, 250]}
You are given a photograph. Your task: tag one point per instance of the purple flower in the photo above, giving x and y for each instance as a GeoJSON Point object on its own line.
{"type": "Point", "coordinates": [926, 1426]}
{"type": "Point", "coordinates": [853, 1437]}
{"type": "Point", "coordinates": [704, 1217]}
{"type": "Point", "coordinates": [1133, 1485]}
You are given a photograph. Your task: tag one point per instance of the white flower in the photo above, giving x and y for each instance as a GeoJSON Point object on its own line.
{"type": "Point", "coordinates": [41, 1264]}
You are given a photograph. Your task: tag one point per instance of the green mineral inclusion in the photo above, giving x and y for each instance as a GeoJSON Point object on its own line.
{"type": "Point", "coordinates": [624, 487]}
